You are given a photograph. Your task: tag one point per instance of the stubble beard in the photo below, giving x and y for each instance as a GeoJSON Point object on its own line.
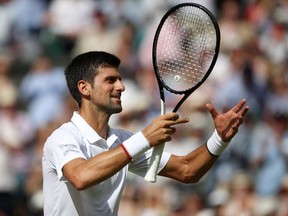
{"type": "Point", "coordinates": [113, 109]}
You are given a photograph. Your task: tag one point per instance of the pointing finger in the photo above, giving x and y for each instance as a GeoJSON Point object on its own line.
{"type": "Point", "coordinates": [178, 121]}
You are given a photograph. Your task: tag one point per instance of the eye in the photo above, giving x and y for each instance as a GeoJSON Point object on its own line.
{"type": "Point", "coordinates": [111, 79]}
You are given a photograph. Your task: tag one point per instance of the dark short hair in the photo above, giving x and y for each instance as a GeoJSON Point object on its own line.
{"type": "Point", "coordinates": [85, 67]}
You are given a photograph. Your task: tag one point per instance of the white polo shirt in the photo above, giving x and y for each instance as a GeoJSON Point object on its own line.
{"type": "Point", "coordinates": [76, 139]}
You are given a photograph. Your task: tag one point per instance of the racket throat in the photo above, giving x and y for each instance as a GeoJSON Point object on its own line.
{"type": "Point", "coordinates": [180, 103]}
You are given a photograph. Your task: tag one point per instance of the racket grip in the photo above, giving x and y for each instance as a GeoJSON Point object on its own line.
{"type": "Point", "coordinates": [151, 174]}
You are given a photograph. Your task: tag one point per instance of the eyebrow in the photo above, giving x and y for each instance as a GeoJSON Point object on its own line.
{"type": "Point", "coordinates": [112, 77]}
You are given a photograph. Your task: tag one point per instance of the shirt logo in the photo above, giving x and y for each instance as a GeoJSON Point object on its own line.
{"type": "Point", "coordinates": [69, 148]}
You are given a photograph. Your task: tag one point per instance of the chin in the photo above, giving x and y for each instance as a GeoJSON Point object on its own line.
{"type": "Point", "coordinates": [117, 109]}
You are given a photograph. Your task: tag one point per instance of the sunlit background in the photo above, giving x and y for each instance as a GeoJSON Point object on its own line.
{"type": "Point", "coordinates": [39, 37]}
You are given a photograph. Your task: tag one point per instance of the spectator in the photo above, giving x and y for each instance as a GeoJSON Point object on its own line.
{"type": "Point", "coordinates": [6, 23]}
{"type": "Point", "coordinates": [266, 158]}
{"type": "Point", "coordinates": [43, 90]}
{"type": "Point", "coordinates": [241, 195]}
{"type": "Point", "coordinates": [65, 21]}
{"type": "Point", "coordinates": [27, 27]}
{"type": "Point", "coordinates": [15, 134]}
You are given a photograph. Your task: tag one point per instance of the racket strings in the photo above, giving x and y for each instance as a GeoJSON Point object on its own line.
{"type": "Point", "coordinates": [198, 72]}
{"type": "Point", "coordinates": [185, 48]}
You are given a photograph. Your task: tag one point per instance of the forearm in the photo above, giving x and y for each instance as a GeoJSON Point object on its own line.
{"type": "Point", "coordinates": [199, 162]}
{"type": "Point", "coordinates": [90, 172]}
{"type": "Point", "coordinates": [84, 173]}
{"type": "Point", "coordinates": [190, 168]}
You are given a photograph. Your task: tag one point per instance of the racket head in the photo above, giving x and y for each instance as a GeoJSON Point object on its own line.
{"type": "Point", "coordinates": [185, 48]}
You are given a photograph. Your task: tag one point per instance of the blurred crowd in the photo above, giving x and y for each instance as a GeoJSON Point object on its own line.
{"type": "Point", "coordinates": [39, 37]}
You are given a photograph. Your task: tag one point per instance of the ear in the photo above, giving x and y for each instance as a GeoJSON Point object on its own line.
{"type": "Point", "coordinates": [84, 87]}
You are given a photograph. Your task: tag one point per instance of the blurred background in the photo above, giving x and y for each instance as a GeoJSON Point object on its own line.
{"type": "Point", "coordinates": [39, 37]}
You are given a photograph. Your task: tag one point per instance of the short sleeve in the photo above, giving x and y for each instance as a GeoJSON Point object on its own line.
{"type": "Point", "coordinates": [61, 147]}
{"type": "Point", "coordinates": [140, 164]}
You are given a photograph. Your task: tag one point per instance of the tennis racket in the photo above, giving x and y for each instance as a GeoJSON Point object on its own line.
{"type": "Point", "coordinates": [185, 49]}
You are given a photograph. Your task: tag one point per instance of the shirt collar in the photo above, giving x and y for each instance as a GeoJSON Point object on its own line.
{"type": "Point", "coordinates": [86, 130]}
{"type": "Point", "coordinates": [89, 133]}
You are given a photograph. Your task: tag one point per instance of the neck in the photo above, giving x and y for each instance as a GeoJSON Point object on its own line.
{"type": "Point", "coordinates": [98, 121]}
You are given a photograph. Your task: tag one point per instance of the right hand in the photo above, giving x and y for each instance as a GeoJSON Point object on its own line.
{"type": "Point", "coordinates": [160, 130]}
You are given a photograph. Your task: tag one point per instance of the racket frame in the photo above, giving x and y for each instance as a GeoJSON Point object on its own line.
{"type": "Point", "coordinates": [161, 83]}
{"type": "Point", "coordinates": [151, 174]}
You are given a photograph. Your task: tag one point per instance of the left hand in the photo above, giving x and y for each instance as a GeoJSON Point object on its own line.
{"type": "Point", "coordinates": [227, 124]}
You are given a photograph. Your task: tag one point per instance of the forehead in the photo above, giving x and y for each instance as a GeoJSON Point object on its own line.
{"type": "Point", "coordinates": [107, 72]}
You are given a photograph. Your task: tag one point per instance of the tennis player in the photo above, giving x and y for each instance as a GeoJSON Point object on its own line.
{"type": "Point", "coordinates": [85, 162]}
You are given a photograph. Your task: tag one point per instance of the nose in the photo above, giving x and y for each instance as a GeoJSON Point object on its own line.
{"type": "Point", "coordinates": [120, 86]}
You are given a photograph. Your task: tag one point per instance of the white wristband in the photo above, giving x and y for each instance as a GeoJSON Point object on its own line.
{"type": "Point", "coordinates": [136, 144]}
{"type": "Point", "coordinates": [216, 145]}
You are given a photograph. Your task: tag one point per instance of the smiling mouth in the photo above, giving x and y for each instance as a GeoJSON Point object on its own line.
{"type": "Point", "coordinates": [116, 97]}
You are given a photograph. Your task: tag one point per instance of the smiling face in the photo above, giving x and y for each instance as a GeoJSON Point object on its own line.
{"type": "Point", "coordinates": [81, 72]}
{"type": "Point", "coordinates": [105, 92]}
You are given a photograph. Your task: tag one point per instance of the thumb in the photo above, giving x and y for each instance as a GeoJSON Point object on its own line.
{"type": "Point", "coordinates": [212, 110]}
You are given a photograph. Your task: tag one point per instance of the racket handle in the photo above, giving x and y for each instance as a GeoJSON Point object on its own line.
{"type": "Point", "coordinates": [151, 174]}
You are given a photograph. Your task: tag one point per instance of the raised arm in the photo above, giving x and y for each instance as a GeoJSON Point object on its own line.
{"type": "Point", "coordinates": [191, 168]}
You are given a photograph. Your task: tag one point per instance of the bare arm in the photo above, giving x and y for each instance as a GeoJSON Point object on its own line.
{"type": "Point", "coordinates": [85, 173]}
{"type": "Point", "coordinates": [191, 168]}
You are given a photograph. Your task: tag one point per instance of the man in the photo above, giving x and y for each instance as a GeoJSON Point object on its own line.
{"type": "Point", "coordinates": [85, 161]}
